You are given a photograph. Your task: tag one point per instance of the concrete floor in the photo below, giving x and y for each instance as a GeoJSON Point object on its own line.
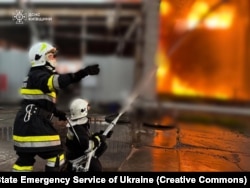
{"type": "Point", "coordinates": [135, 147]}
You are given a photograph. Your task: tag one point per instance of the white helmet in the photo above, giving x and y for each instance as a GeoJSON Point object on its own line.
{"type": "Point", "coordinates": [37, 53]}
{"type": "Point", "coordinates": [78, 109]}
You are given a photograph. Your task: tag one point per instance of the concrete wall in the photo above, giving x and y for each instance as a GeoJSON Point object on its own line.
{"type": "Point", "coordinates": [14, 65]}
{"type": "Point", "coordinates": [115, 81]}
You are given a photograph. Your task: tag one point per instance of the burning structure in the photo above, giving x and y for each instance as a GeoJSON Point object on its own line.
{"type": "Point", "coordinates": [203, 49]}
{"type": "Point", "coordinates": [198, 46]}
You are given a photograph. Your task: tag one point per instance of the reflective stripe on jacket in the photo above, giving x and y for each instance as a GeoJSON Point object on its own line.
{"type": "Point", "coordinates": [31, 132]}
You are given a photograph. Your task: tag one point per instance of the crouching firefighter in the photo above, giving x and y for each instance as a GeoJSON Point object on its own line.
{"type": "Point", "coordinates": [80, 142]}
{"type": "Point", "coordinates": [33, 130]}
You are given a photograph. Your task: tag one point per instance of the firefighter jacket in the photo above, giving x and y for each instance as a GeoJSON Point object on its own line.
{"type": "Point", "coordinates": [33, 130]}
{"type": "Point", "coordinates": [78, 142]}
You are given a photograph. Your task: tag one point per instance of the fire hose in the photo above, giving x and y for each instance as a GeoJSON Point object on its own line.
{"type": "Point", "coordinates": [77, 163]}
{"type": "Point", "coordinates": [105, 133]}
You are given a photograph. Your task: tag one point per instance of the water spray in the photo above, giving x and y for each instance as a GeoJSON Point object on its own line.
{"type": "Point", "coordinates": [128, 103]}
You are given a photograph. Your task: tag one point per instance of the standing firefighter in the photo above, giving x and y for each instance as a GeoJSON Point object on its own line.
{"type": "Point", "coordinates": [80, 142]}
{"type": "Point", "coordinates": [33, 131]}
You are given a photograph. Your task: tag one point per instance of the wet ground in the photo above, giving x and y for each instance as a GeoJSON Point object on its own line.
{"type": "Point", "coordinates": [146, 146]}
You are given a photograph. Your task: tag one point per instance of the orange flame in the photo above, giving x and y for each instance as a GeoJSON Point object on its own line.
{"type": "Point", "coordinates": [199, 15]}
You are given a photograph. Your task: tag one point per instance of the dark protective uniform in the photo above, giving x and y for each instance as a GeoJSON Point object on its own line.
{"type": "Point", "coordinates": [78, 145]}
{"type": "Point", "coordinates": [33, 132]}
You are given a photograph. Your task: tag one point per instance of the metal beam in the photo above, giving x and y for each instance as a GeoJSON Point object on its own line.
{"type": "Point", "coordinates": [68, 12]}
{"type": "Point", "coordinates": [67, 23]}
{"type": "Point", "coordinates": [210, 108]}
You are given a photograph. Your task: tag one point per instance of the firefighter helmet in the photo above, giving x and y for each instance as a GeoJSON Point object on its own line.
{"type": "Point", "coordinates": [38, 52]}
{"type": "Point", "coordinates": [78, 109]}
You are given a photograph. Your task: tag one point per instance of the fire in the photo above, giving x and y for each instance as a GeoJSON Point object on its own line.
{"type": "Point", "coordinates": [197, 12]}
{"type": "Point", "coordinates": [162, 71]}
{"type": "Point", "coordinates": [164, 8]}
{"type": "Point", "coordinates": [181, 88]}
{"type": "Point", "coordinates": [201, 15]}
{"type": "Point", "coordinates": [201, 11]}
{"type": "Point", "coordinates": [222, 19]}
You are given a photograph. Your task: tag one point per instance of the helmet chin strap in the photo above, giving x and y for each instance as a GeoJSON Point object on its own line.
{"type": "Point", "coordinates": [49, 66]}
{"type": "Point", "coordinates": [79, 121]}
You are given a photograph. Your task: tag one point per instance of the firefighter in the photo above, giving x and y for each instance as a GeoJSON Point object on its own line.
{"type": "Point", "coordinates": [80, 141]}
{"type": "Point", "coordinates": [33, 131]}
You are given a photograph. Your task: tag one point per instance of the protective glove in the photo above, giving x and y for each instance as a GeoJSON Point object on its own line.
{"type": "Point", "coordinates": [98, 138]}
{"type": "Point", "coordinates": [108, 135]}
{"type": "Point", "coordinates": [61, 115]}
{"type": "Point", "coordinates": [93, 69]}
{"type": "Point", "coordinates": [89, 70]}
{"type": "Point", "coordinates": [101, 149]}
